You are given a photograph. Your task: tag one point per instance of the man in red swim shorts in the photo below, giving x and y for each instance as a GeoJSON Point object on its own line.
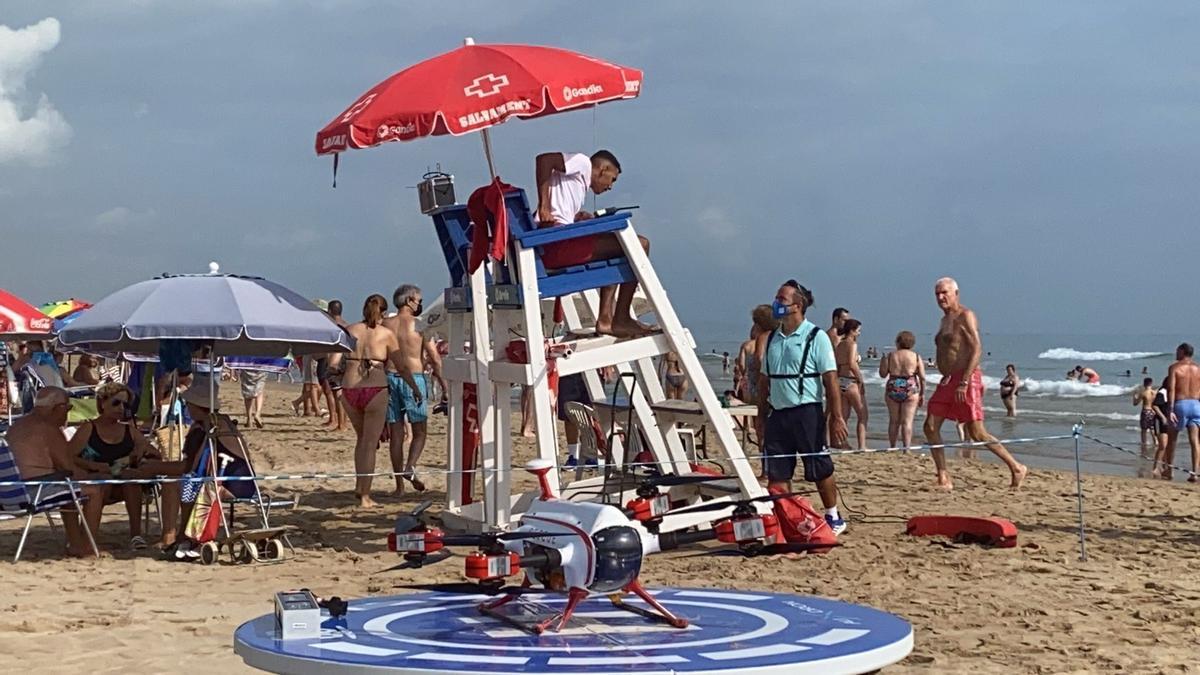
{"type": "Point", "coordinates": [563, 180]}
{"type": "Point", "coordinates": [959, 396]}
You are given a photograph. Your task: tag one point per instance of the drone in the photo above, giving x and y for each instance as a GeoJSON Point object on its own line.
{"type": "Point", "coordinates": [581, 548]}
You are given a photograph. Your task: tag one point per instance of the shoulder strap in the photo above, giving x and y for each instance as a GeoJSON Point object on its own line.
{"type": "Point", "coordinates": [804, 359]}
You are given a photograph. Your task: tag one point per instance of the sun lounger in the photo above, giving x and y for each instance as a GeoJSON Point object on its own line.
{"type": "Point", "coordinates": [19, 500]}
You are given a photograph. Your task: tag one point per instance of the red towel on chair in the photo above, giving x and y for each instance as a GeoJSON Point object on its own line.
{"type": "Point", "coordinates": [486, 208]}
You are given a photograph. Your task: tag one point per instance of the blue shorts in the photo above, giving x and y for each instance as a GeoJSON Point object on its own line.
{"type": "Point", "coordinates": [401, 402]}
{"type": "Point", "coordinates": [796, 432]}
{"type": "Point", "coordinates": [1187, 413]}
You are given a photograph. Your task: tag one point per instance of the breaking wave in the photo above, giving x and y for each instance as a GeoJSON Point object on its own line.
{"type": "Point", "coordinates": [1035, 388]}
{"type": "Point", "coordinates": [1068, 354]}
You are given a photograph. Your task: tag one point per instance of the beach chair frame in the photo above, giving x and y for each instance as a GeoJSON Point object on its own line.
{"type": "Point", "coordinates": [16, 501]}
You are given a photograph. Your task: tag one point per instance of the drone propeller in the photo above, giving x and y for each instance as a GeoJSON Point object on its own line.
{"type": "Point", "coordinates": [417, 564]}
{"type": "Point", "coordinates": [671, 480]}
{"type": "Point", "coordinates": [491, 537]}
{"type": "Point", "coordinates": [721, 506]}
{"type": "Point", "coordinates": [469, 588]}
{"type": "Point", "coordinates": [770, 549]}
{"type": "Point", "coordinates": [412, 520]}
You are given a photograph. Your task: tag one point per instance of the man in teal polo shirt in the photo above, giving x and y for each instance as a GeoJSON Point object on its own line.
{"type": "Point", "coordinates": [799, 375]}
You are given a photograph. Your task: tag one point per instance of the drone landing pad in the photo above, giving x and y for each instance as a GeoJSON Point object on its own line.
{"type": "Point", "coordinates": [730, 632]}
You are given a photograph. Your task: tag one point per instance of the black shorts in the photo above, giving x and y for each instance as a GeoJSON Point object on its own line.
{"type": "Point", "coordinates": [572, 388]}
{"type": "Point", "coordinates": [796, 431]}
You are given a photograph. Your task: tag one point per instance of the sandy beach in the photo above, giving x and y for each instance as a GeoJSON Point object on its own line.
{"type": "Point", "coordinates": [1134, 606]}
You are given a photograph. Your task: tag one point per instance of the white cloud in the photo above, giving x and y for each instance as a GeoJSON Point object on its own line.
{"type": "Point", "coordinates": [123, 219]}
{"type": "Point", "coordinates": [141, 110]}
{"type": "Point", "coordinates": [30, 136]}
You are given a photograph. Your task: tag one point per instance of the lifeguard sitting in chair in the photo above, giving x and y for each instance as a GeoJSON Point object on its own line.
{"type": "Point", "coordinates": [562, 183]}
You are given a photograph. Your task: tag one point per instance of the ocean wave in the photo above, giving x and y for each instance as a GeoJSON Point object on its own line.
{"type": "Point", "coordinates": [1111, 416]}
{"type": "Point", "coordinates": [1032, 387]}
{"type": "Point", "coordinates": [1068, 354]}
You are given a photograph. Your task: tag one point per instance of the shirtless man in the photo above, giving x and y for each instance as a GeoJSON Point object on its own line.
{"type": "Point", "coordinates": [1148, 421]}
{"type": "Point", "coordinates": [415, 352]}
{"type": "Point", "coordinates": [40, 450]}
{"type": "Point", "coordinates": [563, 180]}
{"type": "Point", "coordinates": [839, 318]}
{"type": "Point", "coordinates": [959, 395]}
{"type": "Point", "coordinates": [1183, 397]}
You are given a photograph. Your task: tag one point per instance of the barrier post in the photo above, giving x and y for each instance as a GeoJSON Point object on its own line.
{"type": "Point", "coordinates": [1075, 431]}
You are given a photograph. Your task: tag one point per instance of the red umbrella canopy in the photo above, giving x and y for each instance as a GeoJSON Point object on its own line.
{"type": "Point", "coordinates": [476, 87]}
{"type": "Point", "coordinates": [20, 319]}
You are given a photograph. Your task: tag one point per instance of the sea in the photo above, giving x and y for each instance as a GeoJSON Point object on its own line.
{"type": "Point", "coordinates": [1048, 404]}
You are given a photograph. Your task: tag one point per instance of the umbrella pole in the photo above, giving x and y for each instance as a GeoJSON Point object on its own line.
{"type": "Point", "coordinates": [487, 152]}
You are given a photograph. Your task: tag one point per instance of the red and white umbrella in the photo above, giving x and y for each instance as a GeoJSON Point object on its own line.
{"type": "Point", "coordinates": [20, 320]}
{"type": "Point", "coordinates": [474, 88]}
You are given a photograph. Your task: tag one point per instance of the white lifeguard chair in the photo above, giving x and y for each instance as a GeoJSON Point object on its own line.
{"type": "Point", "coordinates": [515, 292]}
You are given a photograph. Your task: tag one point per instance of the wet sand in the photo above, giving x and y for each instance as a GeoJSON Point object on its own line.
{"type": "Point", "coordinates": [1134, 606]}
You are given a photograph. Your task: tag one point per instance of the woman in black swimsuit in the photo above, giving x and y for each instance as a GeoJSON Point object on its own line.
{"type": "Point", "coordinates": [1008, 389]}
{"type": "Point", "coordinates": [112, 445]}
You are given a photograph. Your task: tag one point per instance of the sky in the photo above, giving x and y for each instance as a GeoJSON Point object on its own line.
{"type": "Point", "coordinates": [1044, 154]}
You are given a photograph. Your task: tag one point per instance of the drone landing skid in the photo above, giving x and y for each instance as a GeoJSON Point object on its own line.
{"type": "Point", "coordinates": [574, 597]}
{"type": "Point", "coordinates": [658, 613]}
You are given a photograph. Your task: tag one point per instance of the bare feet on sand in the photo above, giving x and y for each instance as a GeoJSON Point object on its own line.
{"type": "Point", "coordinates": [365, 502]}
{"type": "Point", "coordinates": [628, 328]}
{"type": "Point", "coordinates": [86, 552]}
{"type": "Point", "coordinates": [944, 482]}
{"type": "Point", "coordinates": [1018, 476]}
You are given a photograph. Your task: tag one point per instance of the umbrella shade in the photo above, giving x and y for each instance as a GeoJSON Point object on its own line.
{"type": "Point", "coordinates": [476, 87]}
{"type": "Point", "coordinates": [61, 309]}
{"type": "Point", "coordinates": [20, 320]}
{"type": "Point", "coordinates": [243, 316]}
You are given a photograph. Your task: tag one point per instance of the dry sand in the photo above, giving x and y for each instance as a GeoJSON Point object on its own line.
{"type": "Point", "coordinates": [1134, 606]}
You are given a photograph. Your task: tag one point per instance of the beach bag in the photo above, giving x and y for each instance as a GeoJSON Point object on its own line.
{"type": "Point", "coordinates": [799, 523]}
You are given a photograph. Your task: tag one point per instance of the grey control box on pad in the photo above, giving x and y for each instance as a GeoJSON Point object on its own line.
{"type": "Point", "coordinates": [297, 615]}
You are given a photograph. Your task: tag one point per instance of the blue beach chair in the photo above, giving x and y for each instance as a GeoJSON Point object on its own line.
{"type": "Point", "coordinates": [20, 500]}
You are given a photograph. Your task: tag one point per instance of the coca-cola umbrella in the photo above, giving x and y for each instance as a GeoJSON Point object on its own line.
{"type": "Point", "coordinates": [474, 88]}
{"type": "Point", "coordinates": [20, 320]}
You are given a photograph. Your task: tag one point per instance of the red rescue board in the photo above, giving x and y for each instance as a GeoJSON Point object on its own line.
{"type": "Point", "coordinates": [996, 532]}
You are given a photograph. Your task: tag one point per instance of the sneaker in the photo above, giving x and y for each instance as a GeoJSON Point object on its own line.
{"type": "Point", "coordinates": [838, 526]}
{"type": "Point", "coordinates": [592, 463]}
{"type": "Point", "coordinates": [571, 463]}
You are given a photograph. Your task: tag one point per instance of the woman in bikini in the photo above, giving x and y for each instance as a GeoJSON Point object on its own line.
{"type": "Point", "coordinates": [904, 372]}
{"type": "Point", "coordinates": [1008, 389]}
{"type": "Point", "coordinates": [675, 378]}
{"type": "Point", "coordinates": [363, 382]}
{"type": "Point", "coordinates": [850, 377]}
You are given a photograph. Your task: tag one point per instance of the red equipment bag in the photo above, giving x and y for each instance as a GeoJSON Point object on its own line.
{"type": "Point", "coordinates": [800, 524]}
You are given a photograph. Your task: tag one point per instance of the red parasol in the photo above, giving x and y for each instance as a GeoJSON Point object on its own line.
{"type": "Point", "coordinates": [21, 321]}
{"type": "Point", "coordinates": [473, 88]}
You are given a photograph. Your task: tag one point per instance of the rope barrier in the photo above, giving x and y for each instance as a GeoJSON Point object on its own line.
{"type": "Point", "coordinates": [326, 475]}
{"type": "Point", "coordinates": [1139, 455]}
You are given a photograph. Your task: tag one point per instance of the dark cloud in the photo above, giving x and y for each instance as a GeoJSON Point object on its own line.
{"type": "Point", "coordinates": [1042, 153]}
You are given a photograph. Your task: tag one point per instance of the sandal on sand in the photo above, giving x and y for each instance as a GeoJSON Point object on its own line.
{"type": "Point", "coordinates": [180, 551]}
{"type": "Point", "coordinates": [138, 543]}
{"type": "Point", "coordinates": [411, 476]}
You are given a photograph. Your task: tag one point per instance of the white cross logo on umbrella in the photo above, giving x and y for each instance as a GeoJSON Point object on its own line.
{"type": "Point", "coordinates": [486, 85]}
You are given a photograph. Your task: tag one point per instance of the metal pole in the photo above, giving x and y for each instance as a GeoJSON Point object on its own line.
{"type": "Point", "coordinates": [487, 152]}
{"type": "Point", "coordinates": [1076, 430]}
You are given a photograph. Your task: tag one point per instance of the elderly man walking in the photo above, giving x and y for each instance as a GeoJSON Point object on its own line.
{"type": "Point", "coordinates": [959, 395]}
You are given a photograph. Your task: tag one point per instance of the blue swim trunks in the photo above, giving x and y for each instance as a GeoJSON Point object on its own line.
{"type": "Point", "coordinates": [1187, 413]}
{"type": "Point", "coordinates": [402, 403]}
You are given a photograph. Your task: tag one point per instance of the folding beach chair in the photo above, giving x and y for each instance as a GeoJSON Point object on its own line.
{"type": "Point", "coordinates": [16, 500]}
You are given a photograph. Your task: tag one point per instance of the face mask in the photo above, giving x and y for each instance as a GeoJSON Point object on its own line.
{"type": "Point", "coordinates": [779, 310]}
{"type": "Point", "coordinates": [420, 308]}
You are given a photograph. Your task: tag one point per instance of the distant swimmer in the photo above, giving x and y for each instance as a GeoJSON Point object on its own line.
{"type": "Point", "coordinates": [1148, 421]}
{"type": "Point", "coordinates": [1183, 397]}
{"type": "Point", "coordinates": [959, 394]}
{"type": "Point", "coordinates": [1086, 375]}
{"type": "Point", "coordinates": [1008, 389]}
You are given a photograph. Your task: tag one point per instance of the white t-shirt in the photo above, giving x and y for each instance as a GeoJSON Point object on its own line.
{"type": "Point", "coordinates": [569, 188]}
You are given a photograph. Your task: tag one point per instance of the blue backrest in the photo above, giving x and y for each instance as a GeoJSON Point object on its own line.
{"type": "Point", "coordinates": [454, 230]}
{"type": "Point", "coordinates": [520, 221]}
{"type": "Point", "coordinates": [12, 497]}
